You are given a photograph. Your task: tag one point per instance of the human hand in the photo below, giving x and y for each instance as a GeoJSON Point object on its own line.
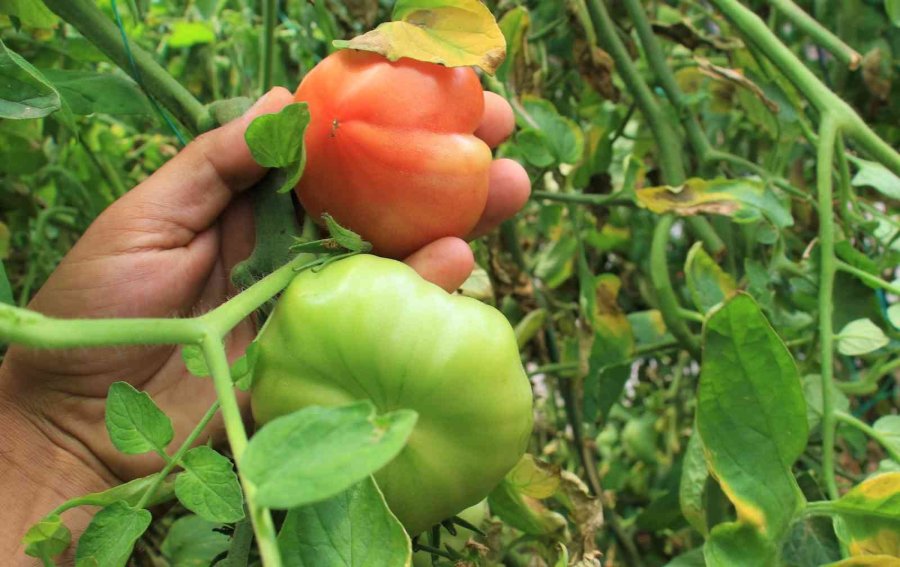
{"type": "Point", "coordinates": [166, 249]}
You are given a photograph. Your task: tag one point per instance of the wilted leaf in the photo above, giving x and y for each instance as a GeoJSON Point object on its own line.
{"type": "Point", "coordinates": [454, 33]}
{"type": "Point", "coordinates": [744, 200]}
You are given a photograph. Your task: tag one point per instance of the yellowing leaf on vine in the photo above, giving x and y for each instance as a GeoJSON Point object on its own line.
{"type": "Point", "coordinates": [744, 200]}
{"type": "Point", "coordinates": [455, 33]}
{"type": "Point", "coordinates": [870, 516]}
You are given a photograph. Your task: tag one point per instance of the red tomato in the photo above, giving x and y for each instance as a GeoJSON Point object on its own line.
{"type": "Point", "coordinates": [390, 149]}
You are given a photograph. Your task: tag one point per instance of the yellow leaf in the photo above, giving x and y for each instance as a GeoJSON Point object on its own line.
{"type": "Point", "coordinates": [455, 33]}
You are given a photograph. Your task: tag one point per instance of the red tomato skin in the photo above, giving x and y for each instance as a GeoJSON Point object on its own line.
{"type": "Point", "coordinates": [390, 149]}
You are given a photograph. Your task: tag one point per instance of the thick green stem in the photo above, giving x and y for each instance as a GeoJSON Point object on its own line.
{"type": "Point", "coordinates": [32, 329]}
{"type": "Point", "coordinates": [808, 25]}
{"type": "Point", "coordinates": [825, 101]}
{"type": "Point", "coordinates": [868, 278]}
{"type": "Point", "coordinates": [270, 13]}
{"type": "Point", "coordinates": [828, 133]}
{"type": "Point", "coordinates": [662, 285]}
{"type": "Point", "coordinates": [87, 18]}
{"type": "Point", "coordinates": [620, 198]}
{"type": "Point", "coordinates": [870, 431]}
{"type": "Point", "coordinates": [216, 361]}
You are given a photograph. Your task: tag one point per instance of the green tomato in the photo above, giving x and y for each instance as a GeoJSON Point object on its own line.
{"type": "Point", "coordinates": [372, 328]}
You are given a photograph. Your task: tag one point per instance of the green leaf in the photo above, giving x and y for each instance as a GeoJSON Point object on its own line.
{"type": "Point", "coordinates": [893, 314]}
{"type": "Point", "coordinates": [111, 535]}
{"type": "Point", "coordinates": [6, 293]}
{"type": "Point", "coordinates": [454, 33]}
{"type": "Point", "coordinates": [193, 542]}
{"type": "Point", "coordinates": [564, 138]}
{"type": "Point", "coordinates": [693, 480]}
{"type": "Point", "coordinates": [708, 283]}
{"type": "Point", "coordinates": [31, 13]}
{"type": "Point", "coordinates": [194, 361]}
{"type": "Point", "coordinates": [861, 336]}
{"type": "Point", "coordinates": [276, 140]}
{"type": "Point", "coordinates": [692, 558]}
{"type": "Point", "coordinates": [649, 329]}
{"type": "Point", "coordinates": [514, 25]}
{"type": "Point", "coordinates": [209, 486]}
{"type": "Point", "coordinates": [87, 92]}
{"type": "Point", "coordinates": [811, 541]}
{"type": "Point", "coordinates": [873, 174]}
{"type": "Point", "coordinates": [135, 424]}
{"type": "Point", "coordinates": [353, 528]}
{"type": "Point", "coordinates": [517, 499]}
{"type": "Point", "coordinates": [812, 392]}
{"type": "Point", "coordinates": [752, 417]}
{"type": "Point", "coordinates": [535, 147]}
{"type": "Point", "coordinates": [24, 92]}
{"type": "Point", "coordinates": [741, 544]}
{"type": "Point", "coordinates": [892, 7]}
{"type": "Point", "coordinates": [315, 453]}
{"type": "Point", "coordinates": [344, 236]}
{"type": "Point", "coordinates": [889, 428]}
{"type": "Point", "coordinates": [47, 538]}
{"type": "Point", "coordinates": [187, 34]}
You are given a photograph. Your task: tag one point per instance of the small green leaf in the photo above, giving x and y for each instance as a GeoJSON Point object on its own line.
{"type": "Point", "coordinates": [893, 313]}
{"type": "Point", "coordinates": [708, 283]}
{"type": "Point", "coordinates": [32, 14]}
{"type": "Point", "coordinates": [242, 369]}
{"type": "Point", "coordinates": [276, 140]}
{"type": "Point", "coordinates": [693, 480]}
{"type": "Point", "coordinates": [24, 92]}
{"type": "Point", "coordinates": [353, 528]}
{"type": "Point", "coordinates": [194, 361]}
{"type": "Point", "coordinates": [209, 486]}
{"type": "Point", "coordinates": [344, 236]}
{"type": "Point", "coordinates": [889, 428]}
{"type": "Point", "coordinates": [193, 542]}
{"type": "Point", "coordinates": [315, 453]}
{"type": "Point", "coordinates": [135, 424]}
{"type": "Point", "coordinates": [111, 535]}
{"type": "Point", "coordinates": [892, 7]}
{"type": "Point", "coordinates": [47, 538]}
{"type": "Point", "coordinates": [6, 293]}
{"type": "Point", "coordinates": [187, 34]}
{"type": "Point", "coordinates": [564, 138]}
{"type": "Point", "coordinates": [861, 336]}
{"type": "Point", "coordinates": [535, 147]}
{"type": "Point", "coordinates": [873, 174]}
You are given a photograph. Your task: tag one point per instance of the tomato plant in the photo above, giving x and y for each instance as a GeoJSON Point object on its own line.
{"type": "Point", "coordinates": [702, 287]}
{"type": "Point", "coordinates": [390, 149]}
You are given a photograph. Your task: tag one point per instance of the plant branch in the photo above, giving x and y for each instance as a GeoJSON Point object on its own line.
{"type": "Point", "coordinates": [270, 13]}
{"type": "Point", "coordinates": [216, 361]}
{"type": "Point", "coordinates": [867, 277]}
{"type": "Point", "coordinates": [662, 285]}
{"type": "Point", "coordinates": [808, 25]}
{"type": "Point", "coordinates": [828, 133]}
{"type": "Point", "coordinates": [825, 101]}
{"type": "Point", "coordinates": [870, 431]}
{"type": "Point", "coordinates": [93, 24]}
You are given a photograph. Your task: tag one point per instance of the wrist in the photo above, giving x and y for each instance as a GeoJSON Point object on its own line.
{"type": "Point", "coordinates": [40, 471]}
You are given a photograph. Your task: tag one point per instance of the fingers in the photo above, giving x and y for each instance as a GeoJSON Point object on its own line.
{"type": "Point", "coordinates": [446, 262]}
{"type": "Point", "coordinates": [498, 121]}
{"type": "Point", "coordinates": [193, 188]}
{"type": "Point", "coordinates": [509, 191]}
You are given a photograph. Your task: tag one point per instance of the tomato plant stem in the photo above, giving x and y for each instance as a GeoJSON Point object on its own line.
{"type": "Point", "coordinates": [870, 431]}
{"type": "Point", "coordinates": [176, 458]}
{"type": "Point", "coordinates": [216, 361]}
{"type": "Point", "coordinates": [825, 101]}
{"type": "Point", "coordinates": [828, 133]}
{"type": "Point", "coordinates": [269, 14]}
{"type": "Point", "coordinates": [808, 25]}
{"type": "Point", "coordinates": [93, 24]}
